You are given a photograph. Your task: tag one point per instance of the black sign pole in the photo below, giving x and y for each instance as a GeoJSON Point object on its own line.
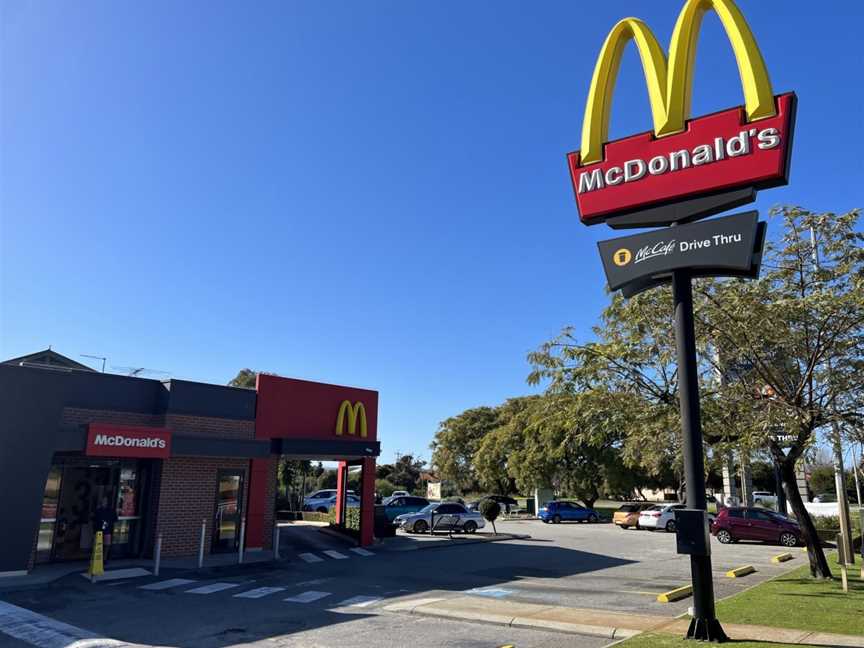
{"type": "Point", "coordinates": [704, 624]}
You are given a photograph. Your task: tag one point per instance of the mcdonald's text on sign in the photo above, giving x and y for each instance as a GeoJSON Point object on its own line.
{"type": "Point", "coordinates": [683, 158]}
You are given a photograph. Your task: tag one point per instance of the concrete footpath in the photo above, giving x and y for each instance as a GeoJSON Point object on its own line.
{"type": "Point", "coordinates": [612, 625]}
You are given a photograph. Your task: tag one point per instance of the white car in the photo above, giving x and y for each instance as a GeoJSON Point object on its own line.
{"type": "Point", "coordinates": [764, 499]}
{"type": "Point", "coordinates": [400, 494]}
{"type": "Point", "coordinates": [660, 516]}
{"type": "Point", "coordinates": [324, 504]}
{"type": "Point", "coordinates": [324, 493]}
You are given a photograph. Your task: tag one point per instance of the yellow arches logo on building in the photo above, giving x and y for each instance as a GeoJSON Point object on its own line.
{"type": "Point", "coordinates": [670, 85]}
{"type": "Point", "coordinates": [354, 413]}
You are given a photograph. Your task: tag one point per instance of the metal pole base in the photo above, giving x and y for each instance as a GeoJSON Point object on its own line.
{"type": "Point", "coordinates": [702, 629]}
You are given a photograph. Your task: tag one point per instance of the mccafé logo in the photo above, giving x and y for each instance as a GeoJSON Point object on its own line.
{"type": "Point", "coordinates": [725, 151]}
{"type": "Point", "coordinates": [118, 440]}
{"type": "Point", "coordinates": [353, 414]}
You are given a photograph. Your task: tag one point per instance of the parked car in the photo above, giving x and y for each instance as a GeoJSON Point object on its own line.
{"type": "Point", "coordinates": [324, 493]}
{"type": "Point", "coordinates": [627, 515]}
{"type": "Point", "coordinates": [446, 516]}
{"type": "Point", "coordinates": [764, 498]}
{"type": "Point", "coordinates": [825, 498]}
{"type": "Point", "coordinates": [397, 506]}
{"type": "Point", "coordinates": [559, 511]}
{"type": "Point", "coordinates": [505, 501]}
{"type": "Point", "coordinates": [743, 523]}
{"type": "Point", "coordinates": [659, 516]}
{"type": "Point", "coordinates": [324, 504]}
{"type": "Point", "coordinates": [399, 493]}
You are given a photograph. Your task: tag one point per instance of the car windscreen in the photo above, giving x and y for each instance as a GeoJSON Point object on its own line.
{"type": "Point", "coordinates": [656, 507]}
{"type": "Point", "coordinates": [429, 508]}
{"type": "Point", "coordinates": [629, 508]}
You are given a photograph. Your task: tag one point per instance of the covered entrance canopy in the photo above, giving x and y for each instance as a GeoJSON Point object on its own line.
{"type": "Point", "coordinates": [310, 420]}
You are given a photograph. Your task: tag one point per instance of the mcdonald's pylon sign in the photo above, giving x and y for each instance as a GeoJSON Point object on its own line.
{"type": "Point", "coordinates": [351, 415]}
{"type": "Point", "coordinates": [682, 158]}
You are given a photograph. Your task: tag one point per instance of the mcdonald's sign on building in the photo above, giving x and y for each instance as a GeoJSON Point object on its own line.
{"type": "Point", "coordinates": [746, 147]}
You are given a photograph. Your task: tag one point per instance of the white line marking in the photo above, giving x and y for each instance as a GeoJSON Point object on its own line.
{"type": "Point", "coordinates": [310, 557]}
{"type": "Point", "coordinates": [359, 601]}
{"type": "Point", "coordinates": [259, 592]}
{"type": "Point", "coordinates": [212, 588]}
{"type": "Point", "coordinates": [307, 597]}
{"type": "Point", "coordinates": [45, 632]}
{"type": "Point", "coordinates": [360, 551]}
{"type": "Point", "coordinates": [336, 555]}
{"type": "Point", "coordinates": [171, 582]}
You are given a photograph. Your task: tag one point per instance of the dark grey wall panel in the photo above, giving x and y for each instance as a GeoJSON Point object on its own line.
{"type": "Point", "coordinates": [31, 430]}
{"type": "Point", "coordinates": [208, 447]}
{"type": "Point", "coordinates": [203, 399]}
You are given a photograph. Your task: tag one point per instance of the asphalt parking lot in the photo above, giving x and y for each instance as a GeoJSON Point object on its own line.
{"type": "Point", "coordinates": [335, 596]}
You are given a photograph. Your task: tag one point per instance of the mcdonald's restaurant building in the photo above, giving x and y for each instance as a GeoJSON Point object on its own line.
{"type": "Point", "coordinates": [165, 455]}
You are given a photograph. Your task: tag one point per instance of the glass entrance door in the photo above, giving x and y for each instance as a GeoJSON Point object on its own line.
{"type": "Point", "coordinates": [83, 488]}
{"type": "Point", "coordinates": [229, 510]}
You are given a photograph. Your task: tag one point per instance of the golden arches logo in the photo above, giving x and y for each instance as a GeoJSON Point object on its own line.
{"type": "Point", "coordinates": [354, 413]}
{"type": "Point", "coordinates": [670, 84]}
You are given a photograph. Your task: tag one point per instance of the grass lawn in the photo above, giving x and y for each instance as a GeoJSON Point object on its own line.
{"type": "Point", "coordinates": [649, 640]}
{"type": "Point", "coordinates": [797, 601]}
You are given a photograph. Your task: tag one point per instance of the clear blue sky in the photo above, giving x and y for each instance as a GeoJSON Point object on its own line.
{"type": "Point", "coordinates": [366, 193]}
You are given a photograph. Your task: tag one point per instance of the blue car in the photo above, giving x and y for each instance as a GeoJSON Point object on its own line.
{"type": "Point", "coordinates": [556, 512]}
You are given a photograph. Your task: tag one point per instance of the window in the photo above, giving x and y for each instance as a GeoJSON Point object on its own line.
{"type": "Point", "coordinates": [449, 508]}
{"type": "Point", "coordinates": [49, 513]}
{"type": "Point", "coordinates": [759, 515]}
{"type": "Point", "coordinates": [736, 513]}
{"type": "Point", "coordinates": [415, 501]}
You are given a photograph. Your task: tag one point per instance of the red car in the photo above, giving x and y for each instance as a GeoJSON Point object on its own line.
{"type": "Point", "coordinates": [741, 523]}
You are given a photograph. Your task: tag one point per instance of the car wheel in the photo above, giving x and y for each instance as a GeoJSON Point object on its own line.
{"type": "Point", "coordinates": [788, 539]}
{"type": "Point", "coordinates": [556, 519]}
{"type": "Point", "coordinates": [724, 536]}
{"type": "Point", "coordinates": [670, 526]}
{"type": "Point", "coordinates": [420, 526]}
{"type": "Point", "coordinates": [470, 526]}
{"type": "Point", "coordinates": [321, 509]}
{"type": "Point", "coordinates": [624, 526]}
{"type": "Point", "coordinates": [592, 518]}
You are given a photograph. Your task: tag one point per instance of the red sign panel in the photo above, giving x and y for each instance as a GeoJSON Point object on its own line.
{"type": "Point", "coordinates": [716, 153]}
{"type": "Point", "coordinates": [300, 409]}
{"type": "Point", "coordinates": [104, 440]}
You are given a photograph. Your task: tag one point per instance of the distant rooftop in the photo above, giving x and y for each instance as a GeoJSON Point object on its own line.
{"type": "Point", "coordinates": [49, 359]}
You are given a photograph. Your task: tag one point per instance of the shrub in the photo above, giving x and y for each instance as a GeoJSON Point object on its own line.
{"type": "Point", "coordinates": [384, 487]}
{"type": "Point", "coordinates": [490, 510]}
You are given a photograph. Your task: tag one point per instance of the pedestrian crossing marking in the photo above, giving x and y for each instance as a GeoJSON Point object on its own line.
{"type": "Point", "coordinates": [166, 584]}
{"type": "Point", "coordinates": [259, 592]}
{"type": "Point", "coordinates": [361, 552]}
{"type": "Point", "coordinates": [212, 588]}
{"type": "Point", "coordinates": [307, 597]}
{"type": "Point", "coordinates": [336, 555]}
{"type": "Point", "coordinates": [310, 557]}
{"type": "Point", "coordinates": [359, 601]}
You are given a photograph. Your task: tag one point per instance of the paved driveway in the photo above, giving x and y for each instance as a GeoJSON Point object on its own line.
{"type": "Point", "coordinates": [332, 597]}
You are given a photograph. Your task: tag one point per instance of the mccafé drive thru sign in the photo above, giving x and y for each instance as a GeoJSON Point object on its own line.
{"type": "Point", "coordinates": [729, 246]}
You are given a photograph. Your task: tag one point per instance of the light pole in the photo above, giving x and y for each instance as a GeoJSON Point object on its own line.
{"type": "Point", "coordinates": [837, 446]}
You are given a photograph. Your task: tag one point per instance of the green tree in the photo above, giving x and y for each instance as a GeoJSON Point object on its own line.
{"type": "Point", "coordinates": [456, 443]}
{"type": "Point", "coordinates": [405, 473]}
{"type": "Point", "coordinates": [798, 335]}
{"type": "Point", "coordinates": [822, 479]}
{"type": "Point", "coordinates": [245, 378]}
{"type": "Point", "coordinates": [492, 459]}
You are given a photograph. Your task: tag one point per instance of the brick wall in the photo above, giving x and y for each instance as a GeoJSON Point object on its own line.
{"type": "Point", "coordinates": [79, 416]}
{"type": "Point", "coordinates": [209, 426]}
{"type": "Point", "coordinates": [188, 495]}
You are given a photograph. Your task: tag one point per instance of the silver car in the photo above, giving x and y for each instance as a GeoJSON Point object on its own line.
{"type": "Point", "coordinates": [442, 516]}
